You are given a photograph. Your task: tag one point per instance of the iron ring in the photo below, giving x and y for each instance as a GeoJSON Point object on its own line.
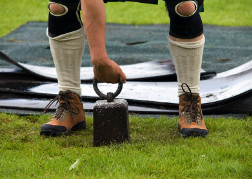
{"type": "Point", "coordinates": [103, 96]}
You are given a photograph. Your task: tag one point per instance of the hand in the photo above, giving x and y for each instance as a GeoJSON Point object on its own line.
{"type": "Point", "coordinates": [108, 71]}
{"type": "Point", "coordinates": [94, 19]}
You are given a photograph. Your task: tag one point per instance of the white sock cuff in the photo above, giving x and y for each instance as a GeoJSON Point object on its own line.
{"type": "Point", "coordinates": [194, 89]}
{"type": "Point", "coordinates": [188, 45]}
{"type": "Point", "coordinates": [72, 88]}
{"type": "Point", "coordinates": [71, 40]}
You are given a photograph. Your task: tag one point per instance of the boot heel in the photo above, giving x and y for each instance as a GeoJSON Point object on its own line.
{"type": "Point", "coordinates": [80, 126]}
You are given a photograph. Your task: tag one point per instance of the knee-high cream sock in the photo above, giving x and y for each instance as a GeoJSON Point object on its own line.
{"type": "Point", "coordinates": [187, 58]}
{"type": "Point", "coordinates": [67, 51]}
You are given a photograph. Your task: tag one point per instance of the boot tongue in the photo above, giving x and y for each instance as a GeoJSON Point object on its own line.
{"type": "Point", "coordinates": [192, 97]}
{"type": "Point", "coordinates": [192, 106]}
{"type": "Point", "coordinates": [65, 97]}
{"type": "Point", "coordinates": [62, 107]}
{"type": "Point", "coordinates": [195, 95]}
{"type": "Point", "coordinates": [62, 102]}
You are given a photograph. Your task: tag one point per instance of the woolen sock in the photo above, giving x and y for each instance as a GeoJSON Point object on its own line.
{"type": "Point", "coordinates": [187, 57]}
{"type": "Point", "coordinates": [67, 51]}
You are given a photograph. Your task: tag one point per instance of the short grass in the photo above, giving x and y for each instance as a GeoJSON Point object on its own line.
{"type": "Point", "coordinates": [156, 151]}
{"type": "Point", "coordinates": [14, 13]}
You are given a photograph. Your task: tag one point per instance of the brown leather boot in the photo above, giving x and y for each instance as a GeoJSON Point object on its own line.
{"type": "Point", "coordinates": [68, 117]}
{"type": "Point", "coordinates": [191, 120]}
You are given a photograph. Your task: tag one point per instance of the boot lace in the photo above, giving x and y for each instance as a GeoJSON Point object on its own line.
{"type": "Point", "coordinates": [192, 106]}
{"type": "Point", "coordinates": [63, 96]}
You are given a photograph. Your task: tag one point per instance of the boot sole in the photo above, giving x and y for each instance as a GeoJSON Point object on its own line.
{"type": "Point", "coordinates": [79, 126]}
{"type": "Point", "coordinates": [193, 132]}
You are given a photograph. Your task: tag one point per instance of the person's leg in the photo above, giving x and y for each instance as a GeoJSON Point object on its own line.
{"type": "Point", "coordinates": [67, 42]}
{"type": "Point", "coordinates": [186, 42]}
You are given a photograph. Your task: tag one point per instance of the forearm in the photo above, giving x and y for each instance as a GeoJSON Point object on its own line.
{"type": "Point", "coordinates": [94, 20]}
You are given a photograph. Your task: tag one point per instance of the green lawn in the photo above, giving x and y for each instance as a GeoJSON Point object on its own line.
{"type": "Point", "coordinates": [156, 149]}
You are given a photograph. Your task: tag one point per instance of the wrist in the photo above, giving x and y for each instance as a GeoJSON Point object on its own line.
{"type": "Point", "coordinates": [98, 54]}
{"type": "Point", "coordinates": [100, 60]}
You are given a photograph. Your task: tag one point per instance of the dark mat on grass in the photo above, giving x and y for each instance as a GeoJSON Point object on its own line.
{"type": "Point", "coordinates": [162, 70]}
{"type": "Point", "coordinates": [225, 47]}
{"type": "Point", "coordinates": [23, 104]}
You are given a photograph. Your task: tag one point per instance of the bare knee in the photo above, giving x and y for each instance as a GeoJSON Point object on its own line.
{"type": "Point", "coordinates": [186, 8]}
{"type": "Point", "coordinates": [56, 8]}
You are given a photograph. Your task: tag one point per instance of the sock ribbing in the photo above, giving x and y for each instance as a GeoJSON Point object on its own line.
{"type": "Point", "coordinates": [187, 58]}
{"type": "Point", "coordinates": [67, 51]}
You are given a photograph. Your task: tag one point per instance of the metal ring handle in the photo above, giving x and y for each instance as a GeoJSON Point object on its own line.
{"type": "Point", "coordinates": [99, 93]}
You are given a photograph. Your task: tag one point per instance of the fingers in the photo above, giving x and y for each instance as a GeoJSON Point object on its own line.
{"type": "Point", "coordinates": [119, 74]}
{"type": "Point", "coordinates": [109, 73]}
{"type": "Point", "coordinates": [122, 77]}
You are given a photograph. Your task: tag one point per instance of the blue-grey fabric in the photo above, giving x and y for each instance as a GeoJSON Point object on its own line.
{"type": "Point", "coordinates": [225, 47]}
